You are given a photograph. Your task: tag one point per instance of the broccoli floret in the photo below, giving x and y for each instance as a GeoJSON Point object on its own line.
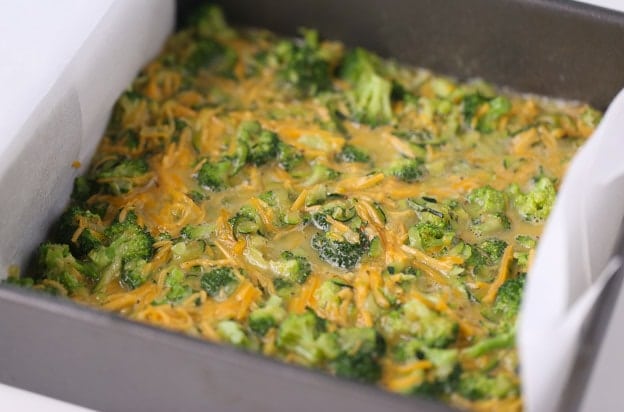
{"type": "Point", "coordinates": [188, 250]}
{"type": "Point", "coordinates": [360, 350]}
{"type": "Point", "coordinates": [509, 298]}
{"type": "Point", "coordinates": [351, 154]}
{"type": "Point", "coordinates": [210, 54]}
{"type": "Point", "coordinates": [339, 252]}
{"type": "Point", "coordinates": [433, 329]}
{"type": "Point", "coordinates": [476, 385]}
{"type": "Point", "coordinates": [83, 189]}
{"type": "Point", "coordinates": [493, 250]}
{"type": "Point", "coordinates": [288, 157]}
{"type": "Point", "coordinates": [268, 316]}
{"type": "Point", "coordinates": [210, 22]}
{"type": "Point", "coordinates": [197, 232]}
{"type": "Point", "coordinates": [534, 206]}
{"type": "Point", "coordinates": [258, 145]}
{"type": "Point", "coordinates": [214, 175]}
{"type": "Point", "coordinates": [302, 65]}
{"type": "Point", "coordinates": [427, 235]}
{"type": "Point", "coordinates": [219, 282]}
{"type": "Point", "coordinates": [128, 240]}
{"type": "Point", "coordinates": [445, 361]}
{"type": "Point", "coordinates": [441, 378]}
{"type": "Point", "coordinates": [490, 223]}
{"type": "Point", "coordinates": [326, 295]}
{"type": "Point", "coordinates": [370, 93]}
{"type": "Point", "coordinates": [486, 200]}
{"type": "Point", "coordinates": [233, 333]}
{"type": "Point", "coordinates": [127, 243]}
{"type": "Point", "coordinates": [291, 267]}
{"type": "Point", "coordinates": [120, 175]}
{"type": "Point", "coordinates": [303, 335]}
{"type": "Point", "coordinates": [246, 221]}
{"type": "Point", "coordinates": [57, 263]}
{"type": "Point", "coordinates": [487, 207]}
{"type": "Point", "coordinates": [132, 275]}
{"type": "Point", "coordinates": [321, 173]}
{"type": "Point", "coordinates": [498, 107]}
{"type": "Point", "coordinates": [526, 241]}
{"type": "Point", "coordinates": [503, 340]}
{"type": "Point", "coordinates": [407, 170]}
{"type": "Point", "coordinates": [471, 104]}
{"type": "Point", "coordinates": [371, 100]}
{"type": "Point", "coordinates": [356, 64]}
{"type": "Point", "coordinates": [90, 237]}
{"type": "Point", "coordinates": [177, 287]}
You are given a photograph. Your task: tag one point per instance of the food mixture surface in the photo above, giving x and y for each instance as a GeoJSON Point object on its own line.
{"type": "Point", "coordinates": [322, 206]}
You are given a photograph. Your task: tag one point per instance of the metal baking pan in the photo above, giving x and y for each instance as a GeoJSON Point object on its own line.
{"type": "Point", "coordinates": [102, 361]}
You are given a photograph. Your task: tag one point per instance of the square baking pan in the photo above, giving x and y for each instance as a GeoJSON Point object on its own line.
{"type": "Point", "coordinates": [102, 361]}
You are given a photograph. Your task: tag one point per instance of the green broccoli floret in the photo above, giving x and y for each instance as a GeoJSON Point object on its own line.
{"type": "Point", "coordinates": [509, 298]}
{"type": "Point", "coordinates": [486, 200]}
{"type": "Point", "coordinates": [188, 249]}
{"type": "Point", "coordinates": [302, 66]}
{"type": "Point", "coordinates": [214, 175]}
{"type": "Point", "coordinates": [370, 93]}
{"type": "Point", "coordinates": [352, 154]}
{"type": "Point", "coordinates": [90, 237]}
{"type": "Point", "coordinates": [493, 250]}
{"type": "Point", "coordinates": [303, 335]}
{"type": "Point", "coordinates": [478, 385]}
{"type": "Point", "coordinates": [246, 221]}
{"type": "Point", "coordinates": [258, 145]}
{"type": "Point", "coordinates": [320, 173]}
{"type": "Point", "coordinates": [360, 351]}
{"type": "Point", "coordinates": [291, 267]}
{"type": "Point", "coordinates": [210, 54]}
{"type": "Point", "coordinates": [526, 241]}
{"type": "Point", "coordinates": [210, 22]}
{"type": "Point", "coordinates": [487, 207]}
{"type": "Point", "coordinates": [441, 378]}
{"type": "Point", "coordinates": [219, 282]}
{"type": "Point", "coordinates": [57, 263]}
{"type": "Point", "coordinates": [490, 223]}
{"type": "Point", "coordinates": [339, 252]}
{"type": "Point", "coordinates": [268, 316]}
{"type": "Point", "coordinates": [83, 189]}
{"type": "Point", "coordinates": [128, 240]}
{"type": "Point", "coordinates": [233, 333]}
{"type": "Point", "coordinates": [288, 157]}
{"type": "Point", "coordinates": [407, 170]}
{"type": "Point", "coordinates": [371, 100]}
{"type": "Point", "coordinates": [534, 206]}
{"type": "Point", "coordinates": [197, 232]}
{"type": "Point", "coordinates": [427, 235]}
{"type": "Point", "coordinates": [326, 295]}
{"type": "Point", "coordinates": [127, 243]}
{"type": "Point", "coordinates": [498, 107]}
{"type": "Point", "coordinates": [178, 289]}
{"type": "Point", "coordinates": [132, 275]}
{"type": "Point", "coordinates": [503, 340]}
{"type": "Point", "coordinates": [120, 175]}
{"type": "Point", "coordinates": [432, 328]}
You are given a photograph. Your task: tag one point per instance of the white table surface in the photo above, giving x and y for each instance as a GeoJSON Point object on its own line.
{"type": "Point", "coordinates": [41, 68]}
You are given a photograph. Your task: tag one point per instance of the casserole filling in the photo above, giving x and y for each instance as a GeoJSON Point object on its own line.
{"type": "Point", "coordinates": [319, 205]}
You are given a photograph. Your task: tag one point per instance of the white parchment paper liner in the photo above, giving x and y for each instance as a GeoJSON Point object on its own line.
{"type": "Point", "coordinates": [573, 262]}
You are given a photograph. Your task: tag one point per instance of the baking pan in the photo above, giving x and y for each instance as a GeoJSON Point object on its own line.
{"type": "Point", "coordinates": [105, 362]}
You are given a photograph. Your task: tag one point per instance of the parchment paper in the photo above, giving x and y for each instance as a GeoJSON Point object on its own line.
{"type": "Point", "coordinates": [573, 262]}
